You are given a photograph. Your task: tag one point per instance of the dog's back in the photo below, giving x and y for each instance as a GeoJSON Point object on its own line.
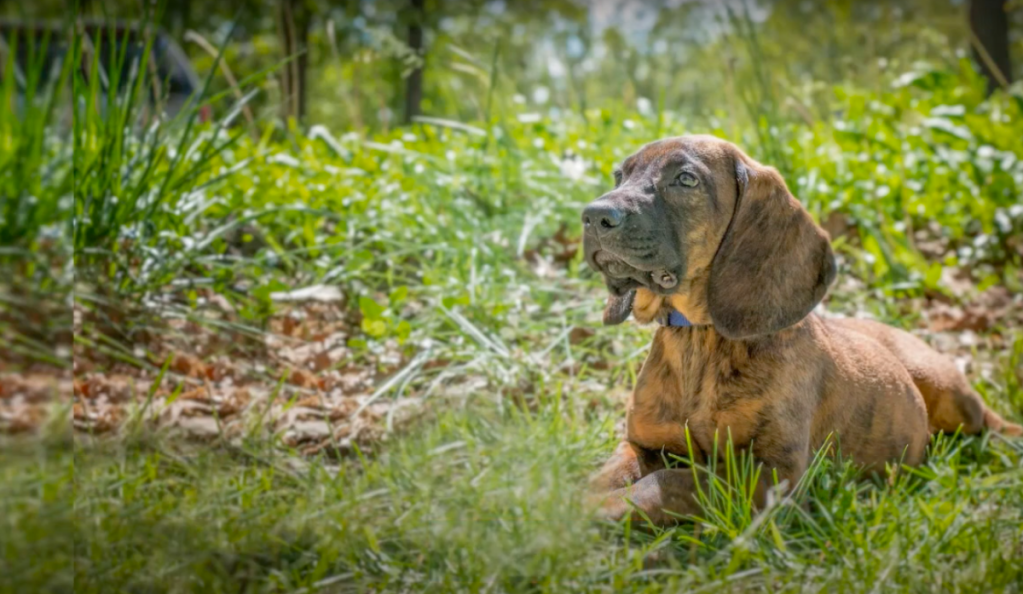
{"type": "Point", "coordinates": [951, 402]}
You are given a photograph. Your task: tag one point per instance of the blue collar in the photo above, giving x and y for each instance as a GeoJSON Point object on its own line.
{"type": "Point", "coordinates": [676, 320]}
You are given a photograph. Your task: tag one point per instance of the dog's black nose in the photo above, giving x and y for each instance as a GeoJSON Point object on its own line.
{"type": "Point", "coordinates": [602, 217]}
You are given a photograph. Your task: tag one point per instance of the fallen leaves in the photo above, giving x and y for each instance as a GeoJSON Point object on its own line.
{"type": "Point", "coordinates": [27, 400]}
{"type": "Point", "coordinates": [992, 307]}
{"type": "Point", "coordinates": [579, 334]}
{"type": "Point", "coordinates": [190, 366]}
{"type": "Point", "coordinates": [96, 420]}
{"type": "Point", "coordinates": [299, 385]}
{"type": "Point", "coordinates": [113, 388]}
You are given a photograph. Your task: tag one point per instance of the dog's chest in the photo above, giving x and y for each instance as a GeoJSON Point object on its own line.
{"type": "Point", "coordinates": [693, 429]}
{"type": "Point", "coordinates": [698, 384]}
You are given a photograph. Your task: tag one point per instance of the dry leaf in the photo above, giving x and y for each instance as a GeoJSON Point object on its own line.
{"type": "Point", "coordinates": [579, 334]}
{"type": "Point", "coordinates": [302, 379]}
{"type": "Point", "coordinates": [188, 365]}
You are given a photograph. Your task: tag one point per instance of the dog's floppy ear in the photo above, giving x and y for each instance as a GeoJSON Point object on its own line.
{"type": "Point", "coordinates": [618, 307]}
{"type": "Point", "coordinates": [774, 263]}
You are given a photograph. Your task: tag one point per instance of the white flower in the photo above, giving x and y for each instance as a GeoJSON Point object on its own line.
{"type": "Point", "coordinates": [573, 167]}
{"type": "Point", "coordinates": [283, 159]}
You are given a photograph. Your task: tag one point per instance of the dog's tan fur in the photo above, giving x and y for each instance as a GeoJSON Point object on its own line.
{"type": "Point", "coordinates": [758, 366]}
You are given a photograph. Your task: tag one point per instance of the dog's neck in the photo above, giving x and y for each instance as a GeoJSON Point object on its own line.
{"type": "Point", "coordinates": [680, 310]}
{"type": "Point", "coordinates": [676, 319]}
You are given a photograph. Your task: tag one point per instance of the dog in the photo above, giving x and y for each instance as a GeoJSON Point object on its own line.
{"type": "Point", "coordinates": [704, 239]}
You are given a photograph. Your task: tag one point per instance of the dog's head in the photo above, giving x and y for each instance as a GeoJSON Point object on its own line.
{"type": "Point", "coordinates": [696, 225]}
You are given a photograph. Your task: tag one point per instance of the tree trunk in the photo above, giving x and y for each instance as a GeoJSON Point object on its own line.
{"type": "Point", "coordinates": [414, 84]}
{"type": "Point", "coordinates": [989, 24]}
{"type": "Point", "coordinates": [294, 21]}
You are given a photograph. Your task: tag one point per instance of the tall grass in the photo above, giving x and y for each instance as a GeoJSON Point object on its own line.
{"type": "Point", "coordinates": [139, 176]}
{"type": "Point", "coordinates": [33, 171]}
{"type": "Point", "coordinates": [759, 96]}
{"type": "Point", "coordinates": [35, 188]}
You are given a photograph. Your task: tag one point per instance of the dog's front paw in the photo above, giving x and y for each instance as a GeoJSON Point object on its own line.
{"type": "Point", "coordinates": [614, 508]}
{"type": "Point", "coordinates": [610, 507]}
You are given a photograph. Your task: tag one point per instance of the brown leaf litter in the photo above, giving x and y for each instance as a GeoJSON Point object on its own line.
{"type": "Point", "coordinates": [297, 382]}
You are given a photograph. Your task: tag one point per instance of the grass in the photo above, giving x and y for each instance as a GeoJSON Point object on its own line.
{"type": "Point", "coordinates": [35, 193]}
{"type": "Point", "coordinates": [487, 501]}
{"type": "Point", "coordinates": [453, 246]}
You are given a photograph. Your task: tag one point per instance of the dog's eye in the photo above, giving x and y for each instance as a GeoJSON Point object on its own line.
{"type": "Point", "coordinates": [685, 179]}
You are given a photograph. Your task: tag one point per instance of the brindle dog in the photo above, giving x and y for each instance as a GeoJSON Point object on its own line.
{"type": "Point", "coordinates": [697, 226]}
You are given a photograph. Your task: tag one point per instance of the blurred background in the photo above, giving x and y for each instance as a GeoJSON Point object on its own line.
{"type": "Point", "coordinates": [374, 64]}
{"type": "Point", "coordinates": [343, 235]}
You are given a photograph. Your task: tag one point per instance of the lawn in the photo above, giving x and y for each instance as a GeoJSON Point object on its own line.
{"type": "Point", "coordinates": [307, 359]}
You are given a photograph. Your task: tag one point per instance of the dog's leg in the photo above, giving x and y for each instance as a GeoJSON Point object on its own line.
{"type": "Point", "coordinates": [955, 405]}
{"type": "Point", "coordinates": [995, 422]}
{"type": "Point", "coordinates": [628, 464]}
{"type": "Point", "coordinates": [660, 496]}
{"type": "Point", "coordinates": [665, 494]}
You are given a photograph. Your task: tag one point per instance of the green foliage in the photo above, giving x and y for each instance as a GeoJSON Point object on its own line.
{"type": "Point", "coordinates": [37, 508]}
{"type": "Point", "coordinates": [410, 208]}
{"type": "Point", "coordinates": [34, 172]}
{"type": "Point", "coordinates": [131, 170]}
{"type": "Point", "coordinates": [35, 202]}
{"type": "Point", "coordinates": [555, 55]}
{"type": "Point", "coordinates": [928, 151]}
